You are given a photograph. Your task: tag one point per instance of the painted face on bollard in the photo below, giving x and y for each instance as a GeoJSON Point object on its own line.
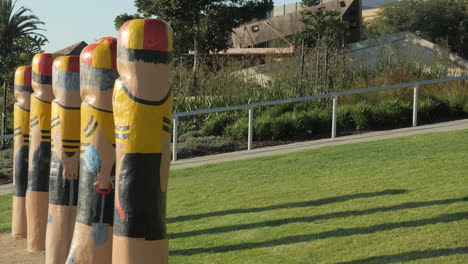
{"type": "Point", "coordinates": [66, 80]}
{"type": "Point", "coordinates": [23, 87]}
{"type": "Point", "coordinates": [42, 76]}
{"type": "Point", "coordinates": [143, 58]}
{"type": "Point", "coordinates": [98, 73]}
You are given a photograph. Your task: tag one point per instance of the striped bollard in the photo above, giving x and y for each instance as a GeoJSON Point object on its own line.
{"type": "Point", "coordinates": [92, 239]}
{"type": "Point", "coordinates": [37, 194]}
{"type": "Point", "coordinates": [65, 157]}
{"type": "Point", "coordinates": [142, 116]}
{"type": "Point", "coordinates": [23, 92]}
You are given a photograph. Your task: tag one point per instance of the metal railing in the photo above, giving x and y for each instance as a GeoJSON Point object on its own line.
{"type": "Point", "coordinates": [334, 96]}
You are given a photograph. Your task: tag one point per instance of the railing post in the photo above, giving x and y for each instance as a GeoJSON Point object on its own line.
{"type": "Point", "coordinates": [415, 105]}
{"type": "Point", "coordinates": [250, 133]}
{"type": "Point", "coordinates": [334, 115]}
{"type": "Point", "coordinates": [174, 138]}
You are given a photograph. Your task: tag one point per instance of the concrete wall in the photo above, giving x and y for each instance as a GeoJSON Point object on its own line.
{"type": "Point", "coordinates": [281, 10]}
{"type": "Point", "coordinates": [368, 54]}
{"type": "Point", "coordinates": [407, 46]}
{"type": "Point", "coordinates": [278, 27]}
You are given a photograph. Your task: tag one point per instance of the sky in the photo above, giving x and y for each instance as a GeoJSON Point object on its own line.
{"type": "Point", "coordinates": [68, 22]}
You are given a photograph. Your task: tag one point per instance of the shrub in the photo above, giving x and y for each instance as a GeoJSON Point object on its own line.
{"type": "Point", "coordinates": [361, 114]}
{"type": "Point", "coordinates": [216, 124]}
{"type": "Point", "coordinates": [238, 129]}
{"type": "Point", "coordinates": [344, 120]}
{"type": "Point", "coordinates": [391, 113]}
{"type": "Point", "coordinates": [270, 127]}
{"type": "Point", "coordinates": [190, 134]}
{"type": "Point", "coordinates": [432, 109]}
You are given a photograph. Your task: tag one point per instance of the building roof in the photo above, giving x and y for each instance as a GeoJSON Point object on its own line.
{"type": "Point", "coordinates": [73, 50]}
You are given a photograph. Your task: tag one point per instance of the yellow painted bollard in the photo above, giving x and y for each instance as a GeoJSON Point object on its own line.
{"type": "Point", "coordinates": [37, 194]}
{"type": "Point", "coordinates": [65, 158]}
{"type": "Point", "coordinates": [142, 115]}
{"type": "Point", "coordinates": [92, 239]}
{"type": "Point", "coordinates": [23, 92]}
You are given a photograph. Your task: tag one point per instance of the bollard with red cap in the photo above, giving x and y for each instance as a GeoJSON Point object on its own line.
{"type": "Point", "coordinates": [37, 194]}
{"type": "Point", "coordinates": [65, 157]}
{"type": "Point", "coordinates": [92, 238]}
{"type": "Point", "coordinates": [142, 115]}
{"type": "Point", "coordinates": [23, 92]}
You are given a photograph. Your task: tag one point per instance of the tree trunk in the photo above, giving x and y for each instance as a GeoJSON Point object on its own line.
{"type": "Point", "coordinates": [327, 72]}
{"type": "Point", "coordinates": [196, 54]}
{"type": "Point", "coordinates": [4, 114]}
{"type": "Point", "coordinates": [302, 59]}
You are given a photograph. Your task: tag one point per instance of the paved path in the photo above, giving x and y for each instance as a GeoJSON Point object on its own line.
{"type": "Point", "coordinates": [275, 150]}
{"type": "Point", "coordinates": [282, 149]}
{"type": "Point", "coordinates": [6, 188]}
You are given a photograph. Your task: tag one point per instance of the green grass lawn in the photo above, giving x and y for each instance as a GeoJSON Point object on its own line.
{"type": "Point", "coordinates": [390, 201]}
{"type": "Point", "coordinates": [5, 213]}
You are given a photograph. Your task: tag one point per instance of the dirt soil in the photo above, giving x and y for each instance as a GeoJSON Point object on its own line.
{"type": "Point", "coordinates": [13, 251]}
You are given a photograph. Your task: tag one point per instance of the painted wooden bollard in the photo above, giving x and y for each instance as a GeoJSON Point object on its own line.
{"type": "Point", "coordinates": [65, 157]}
{"type": "Point", "coordinates": [23, 92]}
{"type": "Point", "coordinates": [142, 115]}
{"type": "Point", "coordinates": [37, 194]}
{"type": "Point", "coordinates": [92, 239]}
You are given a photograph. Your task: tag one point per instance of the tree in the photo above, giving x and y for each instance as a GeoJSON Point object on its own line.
{"type": "Point", "coordinates": [19, 41]}
{"type": "Point", "coordinates": [437, 20]}
{"type": "Point", "coordinates": [19, 38]}
{"type": "Point", "coordinates": [322, 27]}
{"type": "Point", "coordinates": [204, 25]}
{"type": "Point", "coordinates": [122, 18]}
{"type": "Point", "coordinates": [16, 24]}
{"type": "Point", "coordinates": [309, 3]}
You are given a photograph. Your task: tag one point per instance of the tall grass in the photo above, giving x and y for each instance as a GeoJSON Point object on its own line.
{"type": "Point", "coordinates": [225, 82]}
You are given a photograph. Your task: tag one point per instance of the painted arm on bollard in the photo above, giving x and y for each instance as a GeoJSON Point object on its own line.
{"type": "Point", "coordinates": [70, 159]}
{"type": "Point", "coordinates": [106, 149]}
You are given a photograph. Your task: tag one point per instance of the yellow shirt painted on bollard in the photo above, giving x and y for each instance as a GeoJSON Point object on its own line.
{"type": "Point", "coordinates": [142, 127]}
{"type": "Point", "coordinates": [93, 120]}
{"type": "Point", "coordinates": [40, 116]}
{"type": "Point", "coordinates": [21, 124]}
{"type": "Point", "coordinates": [65, 119]}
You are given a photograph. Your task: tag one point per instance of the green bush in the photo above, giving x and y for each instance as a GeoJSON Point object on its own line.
{"type": "Point", "coordinates": [269, 127]}
{"type": "Point", "coordinates": [190, 134]}
{"type": "Point", "coordinates": [307, 121]}
{"type": "Point", "coordinates": [344, 121]}
{"type": "Point", "coordinates": [216, 124]}
{"type": "Point", "coordinates": [431, 109]}
{"type": "Point", "coordinates": [238, 129]}
{"type": "Point", "coordinates": [320, 120]}
{"type": "Point", "coordinates": [361, 115]}
{"type": "Point", "coordinates": [391, 113]}
{"type": "Point", "coordinates": [6, 165]}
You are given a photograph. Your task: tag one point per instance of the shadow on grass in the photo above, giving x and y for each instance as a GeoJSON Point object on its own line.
{"type": "Point", "coordinates": [342, 232]}
{"type": "Point", "coordinates": [285, 221]}
{"type": "Point", "coordinates": [410, 256]}
{"type": "Point", "coordinates": [318, 202]}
